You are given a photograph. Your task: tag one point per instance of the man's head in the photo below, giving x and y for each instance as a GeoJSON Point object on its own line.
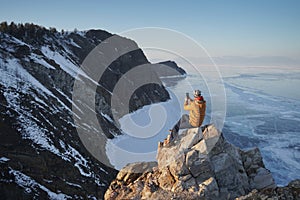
{"type": "Point", "coordinates": [197, 93]}
{"type": "Point", "coordinates": [197, 96]}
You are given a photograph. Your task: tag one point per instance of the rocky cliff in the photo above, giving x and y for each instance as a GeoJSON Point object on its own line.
{"type": "Point", "coordinates": [198, 164]}
{"type": "Point", "coordinates": [41, 154]}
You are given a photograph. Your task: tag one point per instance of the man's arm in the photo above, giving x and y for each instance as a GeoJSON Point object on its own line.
{"type": "Point", "coordinates": [186, 105]}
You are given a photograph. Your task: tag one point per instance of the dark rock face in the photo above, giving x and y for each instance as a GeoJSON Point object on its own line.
{"type": "Point", "coordinates": [41, 154]}
{"type": "Point", "coordinates": [172, 69]}
{"type": "Point", "coordinates": [198, 164]}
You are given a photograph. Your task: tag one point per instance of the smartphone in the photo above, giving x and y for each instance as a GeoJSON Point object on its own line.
{"type": "Point", "coordinates": [187, 95]}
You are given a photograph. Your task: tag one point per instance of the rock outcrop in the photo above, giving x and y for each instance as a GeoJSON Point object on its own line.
{"type": "Point", "coordinates": [197, 164]}
{"type": "Point", "coordinates": [172, 70]}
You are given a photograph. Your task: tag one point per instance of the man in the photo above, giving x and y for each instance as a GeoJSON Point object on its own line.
{"type": "Point", "coordinates": [197, 108]}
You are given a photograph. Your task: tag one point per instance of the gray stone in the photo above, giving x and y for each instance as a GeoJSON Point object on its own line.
{"type": "Point", "coordinates": [230, 174]}
{"type": "Point", "coordinates": [217, 145]}
{"type": "Point", "coordinates": [211, 132]}
{"type": "Point", "coordinates": [197, 163]}
{"type": "Point", "coordinates": [132, 171]}
{"type": "Point", "coordinates": [185, 178]}
{"type": "Point", "coordinates": [201, 147]}
{"type": "Point", "coordinates": [286, 192]}
{"type": "Point", "coordinates": [191, 157]}
{"type": "Point", "coordinates": [205, 174]}
{"type": "Point", "coordinates": [221, 162]}
{"type": "Point", "coordinates": [259, 176]}
{"type": "Point", "coordinates": [252, 158]}
{"type": "Point", "coordinates": [210, 141]}
{"type": "Point", "coordinates": [166, 156]}
{"type": "Point", "coordinates": [189, 138]}
{"type": "Point", "coordinates": [209, 187]}
{"type": "Point", "coordinates": [166, 180]}
{"type": "Point", "coordinates": [262, 180]}
{"type": "Point", "coordinates": [189, 183]}
{"type": "Point", "coordinates": [185, 183]}
{"type": "Point", "coordinates": [178, 167]}
{"type": "Point", "coordinates": [211, 136]}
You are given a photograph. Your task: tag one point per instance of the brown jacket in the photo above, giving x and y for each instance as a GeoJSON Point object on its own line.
{"type": "Point", "coordinates": [197, 112]}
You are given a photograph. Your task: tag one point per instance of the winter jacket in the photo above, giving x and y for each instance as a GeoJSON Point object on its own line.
{"type": "Point", "coordinates": [197, 112]}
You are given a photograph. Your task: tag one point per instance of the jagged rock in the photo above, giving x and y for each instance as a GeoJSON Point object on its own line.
{"type": "Point", "coordinates": [195, 166]}
{"type": "Point", "coordinates": [191, 137]}
{"type": "Point", "coordinates": [289, 192]}
{"type": "Point", "coordinates": [169, 154]}
{"type": "Point", "coordinates": [166, 180]}
{"type": "Point", "coordinates": [178, 167]}
{"type": "Point", "coordinates": [209, 187]}
{"type": "Point", "coordinates": [185, 183]}
{"type": "Point", "coordinates": [262, 179]}
{"type": "Point", "coordinates": [259, 176]}
{"type": "Point", "coordinates": [171, 70]}
{"type": "Point", "coordinates": [198, 165]}
{"type": "Point", "coordinates": [132, 171]}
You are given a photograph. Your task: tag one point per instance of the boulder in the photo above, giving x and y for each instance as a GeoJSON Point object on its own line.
{"type": "Point", "coordinates": [262, 179]}
{"type": "Point", "coordinates": [291, 191]}
{"type": "Point", "coordinates": [165, 179]}
{"type": "Point", "coordinates": [259, 177]}
{"type": "Point", "coordinates": [178, 167]}
{"type": "Point", "coordinates": [182, 143]}
{"type": "Point", "coordinates": [209, 187]}
{"type": "Point", "coordinates": [133, 170]}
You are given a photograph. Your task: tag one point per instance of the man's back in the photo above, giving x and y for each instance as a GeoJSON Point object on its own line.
{"type": "Point", "coordinates": [197, 112]}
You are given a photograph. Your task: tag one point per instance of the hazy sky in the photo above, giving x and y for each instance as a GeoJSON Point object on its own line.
{"type": "Point", "coordinates": [224, 28]}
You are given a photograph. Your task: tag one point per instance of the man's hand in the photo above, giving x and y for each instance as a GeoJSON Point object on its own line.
{"type": "Point", "coordinates": [186, 101]}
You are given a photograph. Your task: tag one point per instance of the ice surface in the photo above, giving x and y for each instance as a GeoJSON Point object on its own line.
{"type": "Point", "coordinates": [264, 110]}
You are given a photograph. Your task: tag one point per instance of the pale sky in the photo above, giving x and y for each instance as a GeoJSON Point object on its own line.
{"type": "Point", "coordinates": [250, 28]}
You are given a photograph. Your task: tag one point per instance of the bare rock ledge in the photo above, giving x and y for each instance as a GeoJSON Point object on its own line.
{"type": "Point", "coordinates": [198, 164]}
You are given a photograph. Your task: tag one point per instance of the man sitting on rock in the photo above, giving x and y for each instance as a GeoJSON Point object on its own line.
{"type": "Point", "coordinates": [197, 109]}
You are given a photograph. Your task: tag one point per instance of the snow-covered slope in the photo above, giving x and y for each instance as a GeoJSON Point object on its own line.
{"type": "Point", "coordinates": [41, 154]}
